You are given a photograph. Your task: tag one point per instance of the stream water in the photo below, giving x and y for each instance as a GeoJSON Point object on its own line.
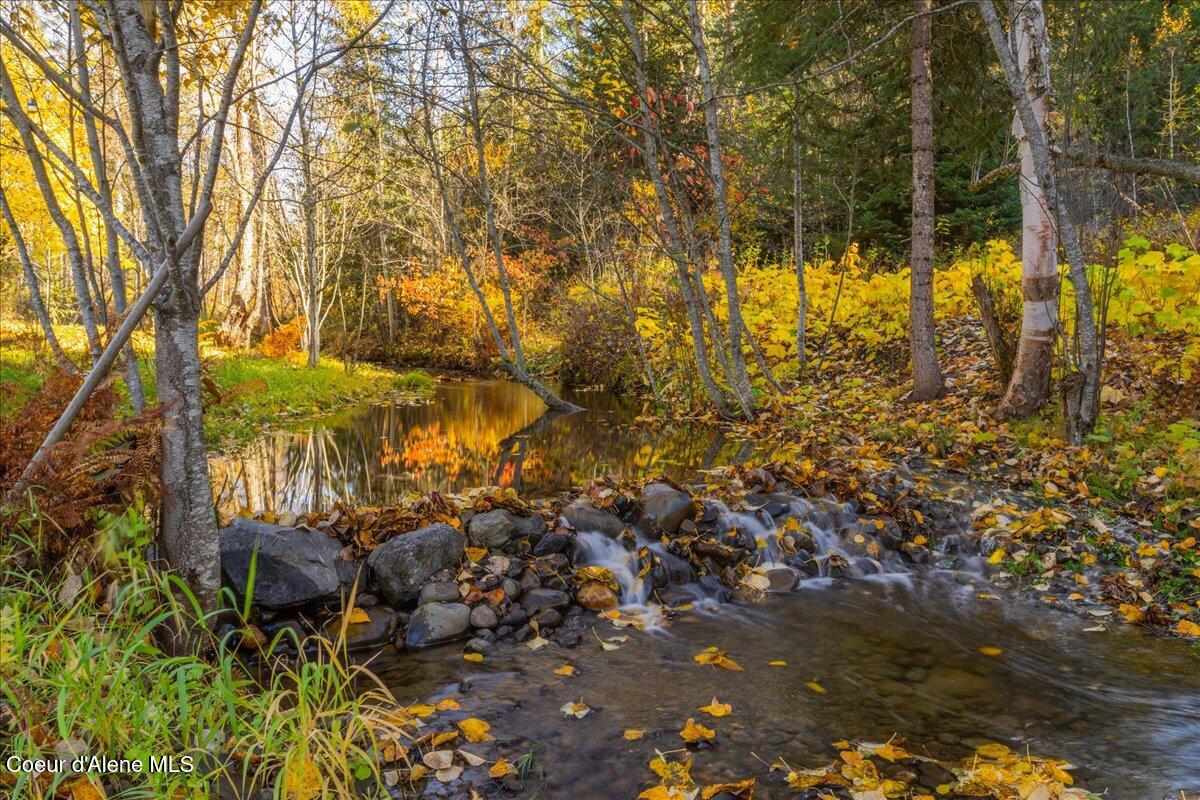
{"type": "Point", "coordinates": [891, 652]}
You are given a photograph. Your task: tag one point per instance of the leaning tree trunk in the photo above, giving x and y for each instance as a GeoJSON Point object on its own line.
{"type": "Point", "coordinates": [922, 335]}
{"type": "Point", "coordinates": [739, 378]}
{"type": "Point", "coordinates": [1029, 387]}
{"type": "Point", "coordinates": [674, 237]}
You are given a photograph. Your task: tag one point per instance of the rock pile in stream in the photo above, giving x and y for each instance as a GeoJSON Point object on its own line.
{"type": "Point", "coordinates": [494, 569]}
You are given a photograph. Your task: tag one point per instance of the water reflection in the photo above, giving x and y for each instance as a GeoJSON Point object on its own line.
{"type": "Point", "coordinates": [472, 433]}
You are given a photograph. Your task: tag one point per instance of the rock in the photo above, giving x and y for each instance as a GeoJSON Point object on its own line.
{"type": "Point", "coordinates": [375, 632]}
{"type": "Point", "coordinates": [502, 631]}
{"type": "Point", "coordinates": [553, 543]}
{"type": "Point", "coordinates": [366, 600]}
{"type": "Point", "coordinates": [438, 592]}
{"type": "Point", "coordinates": [548, 618]}
{"type": "Point", "coordinates": [522, 633]}
{"type": "Point", "coordinates": [480, 646]}
{"type": "Point", "coordinates": [294, 567]}
{"type": "Point", "coordinates": [511, 588]}
{"type": "Point", "coordinates": [595, 596]}
{"type": "Point", "coordinates": [670, 568]}
{"type": "Point", "coordinates": [536, 600]}
{"type": "Point", "coordinates": [664, 508]}
{"type": "Point", "coordinates": [435, 623]}
{"type": "Point", "coordinates": [500, 530]}
{"type": "Point", "coordinates": [515, 618]}
{"type": "Point", "coordinates": [782, 580]}
{"type": "Point", "coordinates": [586, 518]}
{"type": "Point", "coordinates": [403, 563]}
{"type": "Point", "coordinates": [529, 580]}
{"type": "Point", "coordinates": [483, 617]}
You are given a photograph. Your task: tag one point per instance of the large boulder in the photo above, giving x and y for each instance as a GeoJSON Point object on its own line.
{"type": "Point", "coordinates": [501, 530]}
{"type": "Point", "coordinates": [436, 623]}
{"type": "Point", "coordinates": [664, 508]}
{"type": "Point", "coordinates": [401, 565]}
{"type": "Point", "coordinates": [294, 566]}
{"type": "Point", "coordinates": [584, 517]}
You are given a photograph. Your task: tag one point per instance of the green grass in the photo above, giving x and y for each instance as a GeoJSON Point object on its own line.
{"type": "Point", "coordinates": [82, 668]}
{"type": "Point", "coordinates": [256, 391]}
{"type": "Point", "coordinates": [263, 392]}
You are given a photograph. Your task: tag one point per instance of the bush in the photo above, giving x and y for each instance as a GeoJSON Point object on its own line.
{"type": "Point", "coordinates": [598, 350]}
{"type": "Point", "coordinates": [416, 380]}
{"type": "Point", "coordinates": [284, 340]}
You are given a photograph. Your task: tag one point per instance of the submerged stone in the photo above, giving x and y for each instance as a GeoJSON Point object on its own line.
{"type": "Point", "coordinates": [664, 508]}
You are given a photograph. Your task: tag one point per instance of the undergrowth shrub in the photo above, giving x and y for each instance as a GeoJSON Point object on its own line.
{"type": "Point", "coordinates": [284, 340]}
{"type": "Point", "coordinates": [83, 674]}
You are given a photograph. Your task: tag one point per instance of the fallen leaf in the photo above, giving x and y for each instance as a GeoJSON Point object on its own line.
{"type": "Point", "coordinates": [1186, 627]}
{"type": "Point", "coordinates": [449, 704]}
{"type": "Point", "coordinates": [743, 790]}
{"type": "Point", "coordinates": [438, 759]}
{"type": "Point", "coordinates": [578, 710]}
{"type": "Point", "coordinates": [695, 732]}
{"type": "Point", "coordinates": [500, 768]}
{"type": "Point", "coordinates": [633, 734]}
{"type": "Point", "coordinates": [566, 670]}
{"type": "Point", "coordinates": [476, 553]}
{"type": "Point", "coordinates": [449, 774]}
{"type": "Point", "coordinates": [816, 687]}
{"type": "Point", "coordinates": [716, 657]}
{"type": "Point", "coordinates": [357, 615]}
{"type": "Point", "coordinates": [469, 757]}
{"type": "Point", "coordinates": [991, 651]}
{"type": "Point", "coordinates": [777, 663]}
{"type": "Point", "coordinates": [473, 657]}
{"type": "Point", "coordinates": [475, 729]}
{"type": "Point", "coordinates": [716, 708]}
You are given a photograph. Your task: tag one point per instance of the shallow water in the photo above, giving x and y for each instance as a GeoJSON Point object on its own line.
{"type": "Point", "coordinates": [895, 656]}
{"type": "Point", "coordinates": [471, 433]}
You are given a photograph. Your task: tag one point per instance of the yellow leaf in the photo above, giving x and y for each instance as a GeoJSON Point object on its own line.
{"type": "Point", "coordinates": [990, 651]}
{"type": "Point", "coordinates": [716, 708]}
{"type": "Point", "coordinates": [301, 779]}
{"type": "Point", "coordinates": [421, 710]}
{"type": "Point", "coordinates": [476, 553]}
{"type": "Point", "coordinates": [816, 687]}
{"type": "Point", "coordinates": [475, 729]}
{"type": "Point", "coordinates": [711, 655]}
{"type": "Point", "coordinates": [740, 789]}
{"type": "Point", "coordinates": [1130, 612]}
{"type": "Point", "coordinates": [475, 657]}
{"type": "Point", "coordinates": [500, 768]}
{"type": "Point", "coordinates": [357, 615]}
{"type": "Point", "coordinates": [633, 734]}
{"type": "Point", "coordinates": [443, 737]}
{"type": "Point", "coordinates": [1186, 627]}
{"type": "Point", "coordinates": [578, 710]}
{"type": "Point", "coordinates": [566, 670]}
{"type": "Point", "coordinates": [449, 704]}
{"type": "Point", "coordinates": [997, 556]}
{"type": "Point", "coordinates": [695, 732]}
{"type": "Point", "coordinates": [777, 663]}
{"type": "Point", "coordinates": [84, 789]}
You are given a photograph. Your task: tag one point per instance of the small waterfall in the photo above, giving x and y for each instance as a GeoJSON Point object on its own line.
{"type": "Point", "coordinates": [598, 550]}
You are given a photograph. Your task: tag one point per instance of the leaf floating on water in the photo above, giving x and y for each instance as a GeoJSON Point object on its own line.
{"type": "Point", "coordinates": [1186, 627]}
{"type": "Point", "coordinates": [500, 768]}
{"type": "Point", "coordinates": [578, 710]}
{"type": "Point", "coordinates": [716, 708]}
{"type": "Point", "coordinates": [450, 774]}
{"type": "Point", "coordinates": [717, 658]}
{"type": "Point", "coordinates": [469, 757]}
{"type": "Point", "coordinates": [777, 663]}
{"type": "Point", "coordinates": [742, 790]}
{"type": "Point", "coordinates": [633, 734]}
{"type": "Point", "coordinates": [566, 670]}
{"type": "Point", "coordinates": [449, 704]}
{"type": "Point", "coordinates": [438, 759]}
{"type": "Point", "coordinates": [475, 729]}
{"type": "Point", "coordinates": [421, 710]}
{"type": "Point", "coordinates": [695, 732]}
{"type": "Point", "coordinates": [816, 687]}
{"type": "Point", "coordinates": [475, 657]}
{"type": "Point", "coordinates": [443, 737]}
{"type": "Point", "coordinates": [991, 651]}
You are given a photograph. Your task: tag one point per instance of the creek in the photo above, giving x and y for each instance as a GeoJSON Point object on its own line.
{"type": "Point", "coordinates": [865, 649]}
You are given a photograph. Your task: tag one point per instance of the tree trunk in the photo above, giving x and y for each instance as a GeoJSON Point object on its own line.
{"type": "Point", "coordinates": [670, 223]}
{"type": "Point", "coordinates": [1029, 388]}
{"type": "Point", "coordinates": [1081, 386]}
{"type": "Point", "coordinates": [737, 359]}
{"type": "Point", "coordinates": [798, 241]}
{"type": "Point", "coordinates": [1000, 339]}
{"type": "Point", "coordinates": [922, 335]}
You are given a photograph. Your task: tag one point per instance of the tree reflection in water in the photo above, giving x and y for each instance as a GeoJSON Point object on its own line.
{"type": "Point", "coordinates": [472, 433]}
